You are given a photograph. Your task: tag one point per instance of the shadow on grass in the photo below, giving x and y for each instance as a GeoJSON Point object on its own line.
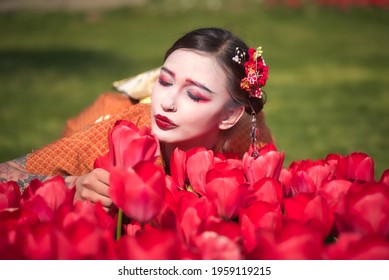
{"type": "Point", "coordinates": [64, 60]}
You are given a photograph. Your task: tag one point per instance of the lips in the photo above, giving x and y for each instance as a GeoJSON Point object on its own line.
{"type": "Point", "coordinates": [164, 123]}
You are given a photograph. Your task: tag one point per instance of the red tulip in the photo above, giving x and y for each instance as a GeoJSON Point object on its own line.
{"type": "Point", "coordinates": [306, 164]}
{"type": "Point", "coordinates": [36, 241]}
{"type": "Point", "coordinates": [333, 159]}
{"type": "Point", "coordinates": [228, 228]}
{"type": "Point", "coordinates": [305, 177]}
{"type": "Point", "coordinates": [103, 162]}
{"type": "Point", "coordinates": [36, 209]}
{"type": "Point", "coordinates": [311, 210]}
{"type": "Point", "coordinates": [133, 228]}
{"type": "Point", "coordinates": [385, 178]}
{"type": "Point", "coordinates": [29, 192]}
{"type": "Point", "coordinates": [81, 226]}
{"type": "Point", "coordinates": [226, 187]}
{"type": "Point", "coordinates": [301, 183]}
{"type": "Point", "coordinates": [128, 145]}
{"type": "Point", "coordinates": [212, 246]}
{"type": "Point", "coordinates": [139, 192]}
{"type": "Point", "coordinates": [8, 250]}
{"type": "Point", "coordinates": [190, 224]}
{"type": "Point", "coordinates": [199, 161]}
{"type": "Point", "coordinates": [151, 244]}
{"type": "Point", "coordinates": [354, 246]}
{"type": "Point", "coordinates": [267, 164]}
{"type": "Point", "coordinates": [320, 174]}
{"type": "Point", "coordinates": [84, 239]}
{"type": "Point", "coordinates": [178, 169]}
{"type": "Point", "coordinates": [355, 166]}
{"type": "Point", "coordinates": [257, 217]}
{"type": "Point", "coordinates": [294, 241]}
{"type": "Point", "coordinates": [55, 192]}
{"type": "Point", "coordinates": [334, 191]}
{"type": "Point", "coordinates": [9, 195]}
{"type": "Point", "coordinates": [267, 190]}
{"type": "Point", "coordinates": [192, 214]}
{"type": "Point", "coordinates": [85, 210]}
{"type": "Point", "coordinates": [366, 209]}
{"type": "Point", "coordinates": [179, 201]}
{"type": "Point", "coordinates": [166, 219]}
{"type": "Point", "coordinates": [262, 215]}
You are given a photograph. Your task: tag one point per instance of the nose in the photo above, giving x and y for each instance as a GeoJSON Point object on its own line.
{"type": "Point", "coordinates": [169, 104]}
{"type": "Point", "coordinates": [171, 108]}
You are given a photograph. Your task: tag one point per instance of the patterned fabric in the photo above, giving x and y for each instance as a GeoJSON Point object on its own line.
{"type": "Point", "coordinates": [76, 153]}
{"type": "Point", "coordinates": [106, 104]}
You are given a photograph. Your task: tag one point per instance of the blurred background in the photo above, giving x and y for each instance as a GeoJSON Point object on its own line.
{"type": "Point", "coordinates": [328, 89]}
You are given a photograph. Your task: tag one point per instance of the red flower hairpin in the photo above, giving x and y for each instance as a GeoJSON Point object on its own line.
{"type": "Point", "coordinates": [256, 71]}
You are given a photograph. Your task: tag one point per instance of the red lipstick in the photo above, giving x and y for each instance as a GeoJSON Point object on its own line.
{"type": "Point", "coordinates": [164, 123]}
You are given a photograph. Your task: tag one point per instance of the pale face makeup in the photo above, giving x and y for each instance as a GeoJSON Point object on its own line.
{"type": "Point", "coordinates": [189, 100]}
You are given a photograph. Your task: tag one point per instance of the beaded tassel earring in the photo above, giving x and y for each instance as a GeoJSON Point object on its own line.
{"type": "Point", "coordinates": [253, 134]}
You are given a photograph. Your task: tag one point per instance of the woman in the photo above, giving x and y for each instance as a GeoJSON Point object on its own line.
{"type": "Point", "coordinates": [208, 92]}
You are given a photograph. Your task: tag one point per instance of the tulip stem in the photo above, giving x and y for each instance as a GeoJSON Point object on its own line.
{"type": "Point", "coordinates": [119, 224]}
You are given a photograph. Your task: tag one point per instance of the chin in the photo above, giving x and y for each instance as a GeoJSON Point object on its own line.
{"type": "Point", "coordinates": [163, 136]}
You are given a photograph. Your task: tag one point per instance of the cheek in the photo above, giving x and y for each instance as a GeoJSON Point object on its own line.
{"type": "Point", "coordinates": [155, 97]}
{"type": "Point", "coordinates": [154, 92]}
{"type": "Point", "coordinates": [200, 116]}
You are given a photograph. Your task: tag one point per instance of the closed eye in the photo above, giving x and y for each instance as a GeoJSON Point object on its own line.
{"type": "Point", "coordinates": [164, 83]}
{"type": "Point", "coordinates": [195, 98]}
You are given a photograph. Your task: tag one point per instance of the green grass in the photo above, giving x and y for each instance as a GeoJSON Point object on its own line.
{"type": "Point", "coordinates": [328, 90]}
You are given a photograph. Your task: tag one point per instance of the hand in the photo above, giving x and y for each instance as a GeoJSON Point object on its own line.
{"type": "Point", "coordinates": [94, 187]}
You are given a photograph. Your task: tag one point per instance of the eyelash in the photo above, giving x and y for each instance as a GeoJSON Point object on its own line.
{"type": "Point", "coordinates": [163, 83]}
{"type": "Point", "coordinates": [190, 95]}
{"type": "Point", "coordinates": [193, 97]}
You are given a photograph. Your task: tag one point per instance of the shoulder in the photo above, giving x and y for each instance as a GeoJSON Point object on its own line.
{"type": "Point", "coordinates": [139, 114]}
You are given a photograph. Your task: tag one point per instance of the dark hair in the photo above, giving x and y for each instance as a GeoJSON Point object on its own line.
{"type": "Point", "coordinates": [222, 44]}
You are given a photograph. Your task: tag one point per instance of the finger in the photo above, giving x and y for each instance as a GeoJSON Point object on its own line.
{"type": "Point", "coordinates": [105, 201]}
{"type": "Point", "coordinates": [101, 185]}
{"type": "Point", "coordinates": [100, 188]}
{"type": "Point", "coordinates": [97, 192]}
{"type": "Point", "coordinates": [96, 181]}
{"type": "Point", "coordinates": [102, 175]}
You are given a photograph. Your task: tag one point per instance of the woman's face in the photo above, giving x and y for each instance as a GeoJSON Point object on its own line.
{"type": "Point", "coordinates": [189, 100]}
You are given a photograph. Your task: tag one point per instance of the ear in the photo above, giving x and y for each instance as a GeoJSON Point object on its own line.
{"type": "Point", "coordinates": [231, 116]}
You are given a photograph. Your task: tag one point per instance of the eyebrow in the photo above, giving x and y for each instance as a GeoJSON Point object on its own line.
{"type": "Point", "coordinates": [197, 84]}
{"type": "Point", "coordinates": [171, 73]}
